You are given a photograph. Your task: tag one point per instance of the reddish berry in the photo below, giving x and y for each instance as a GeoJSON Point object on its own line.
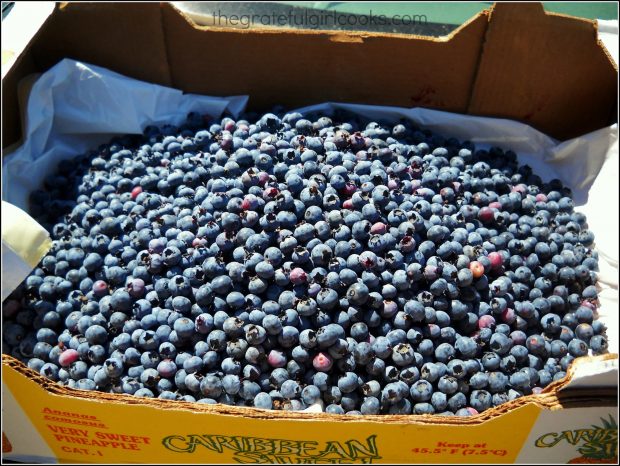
{"type": "Point", "coordinates": [477, 269]}
{"type": "Point", "coordinates": [496, 260]}
{"type": "Point", "coordinates": [588, 304]}
{"type": "Point", "coordinates": [270, 193]}
{"type": "Point", "coordinates": [68, 357]}
{"type": "Point", "coordinates": [486, 215]}
{"type": "Point", "coordinates": [349, 189]}
{"type": "Point", "coordinates": [378, 228]}
{"type": "Point", "coordinates": [136, 191]}
{"type": "Point", "coordinates": [263, 177]}
{"type": "Point", "coordinates": [298, 276]}
{"type": "Point", "coordinates": [486, 321]}
{"type": "Point", "coordinates": [322, 362]}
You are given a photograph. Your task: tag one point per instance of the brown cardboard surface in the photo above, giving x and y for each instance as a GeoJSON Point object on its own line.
{"type": "Point", "coordinates": [298, 68]}
{"type": "Point", "coordinates": [124, 37]}
{"type": "Point", "coordinates": [11, 122]}
{"type": "Point", "coordinates": [547, 70]}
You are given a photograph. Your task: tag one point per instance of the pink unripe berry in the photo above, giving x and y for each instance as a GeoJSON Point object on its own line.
{"type": "Point", "coordinates": [508, 316]}
{"type": "Point", "coordinates": [348, 204]}
{"type": "Point", "coordinates": [263, 177]}
{"type": "Point", "coordinates": [392, 184]}
{"type": "Point", "coordinates": [68, 357]}
{"type": "Point", "coordinates": [486, 321]}
{"type": "Point", "coordinates": [378, 228]}
{"type": "Point", "coordinates": [298, 276]}
{"type": "Point", "coordinates": [276, 358]}
{"type": "Point", "coordinates": [270, 193]}
{"type": "Point", "coordinates": [541, 197]}
{"type": "Point", "coordinates": [322, 362]}
{"type": "Point", "coordinates": [495, 205]}
{"type": "Point", "coordinates": [136, 191]}
{"type": "Point", "coordinates": [588, 304]}
{"type": "Point", "coordinates": [496, 260]}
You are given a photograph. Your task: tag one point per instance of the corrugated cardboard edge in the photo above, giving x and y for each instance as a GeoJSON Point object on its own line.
{"type": "Point", "coordinates": [330, 32]}
{"type": "Point", "coordinates": [544, 86]}
{"type": "Point", "coordinates": [315, 66]}
{"type": "Point", "coordinates": [550, 399]}
{"type": "Point", "coordinates": [24, 65]}
{"type": "Point", "coordinates": [595, 25]}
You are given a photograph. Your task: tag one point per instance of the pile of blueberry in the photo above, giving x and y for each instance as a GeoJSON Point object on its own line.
{"type": "Point", "coordinates": [379, 269]}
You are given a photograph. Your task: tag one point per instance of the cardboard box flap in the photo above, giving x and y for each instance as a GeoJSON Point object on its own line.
{"type": "Point", "coordinates": [308, 66]}
{"type": "Point", "coordinates": [124, 37]}
{"type": "Point", "coordinates": [546, 70]}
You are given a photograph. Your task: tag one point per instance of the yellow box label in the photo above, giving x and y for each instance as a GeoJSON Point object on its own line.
{"type": "Point", "coordinates": [91, 430]}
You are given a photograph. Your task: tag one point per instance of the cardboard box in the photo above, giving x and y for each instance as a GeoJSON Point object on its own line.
{"type": "Point", "coordinates": [44, 421]}
{"type": "Point", "coordinates": [513, 61]}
